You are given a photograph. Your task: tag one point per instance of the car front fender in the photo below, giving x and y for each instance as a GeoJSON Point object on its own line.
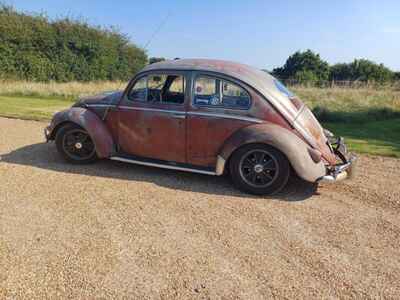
{"type": "Point", "coordinates": [89, 121]}
{"type": "Point", "coordinates": [295, 149]}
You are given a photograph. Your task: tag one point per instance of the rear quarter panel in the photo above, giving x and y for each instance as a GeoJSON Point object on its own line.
{"type": "Point", "coordinates": [286, 141]}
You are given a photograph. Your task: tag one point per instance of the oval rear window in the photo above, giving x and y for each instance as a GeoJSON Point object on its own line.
{"type": "Point", "coordinates": [283, 89]}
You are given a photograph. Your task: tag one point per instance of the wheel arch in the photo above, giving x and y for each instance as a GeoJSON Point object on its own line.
{"type": "Point", "coordinates": [55, 130]}
{"type": "Point", "coordinates": [89, 121]}
{"type": "Point", "coordinates": [228, 160]}
{"type": "Point", "coordinates": [294, 148]}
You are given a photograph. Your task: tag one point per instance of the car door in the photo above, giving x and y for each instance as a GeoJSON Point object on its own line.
{"type": "Point", "coordinates": [219, 107]}
{"type": "Point", "coordinates": [152, 118]}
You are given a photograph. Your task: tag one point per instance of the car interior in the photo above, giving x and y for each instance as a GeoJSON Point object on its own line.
{"type": "Point", "coordinates": [161, 88]}
{"type": "Point", "coordinates": [208, 92]}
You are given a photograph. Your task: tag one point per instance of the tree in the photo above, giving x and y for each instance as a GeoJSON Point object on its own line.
{"type": "Point", "coordinates": [341, 71]}
{"type": "Point", "coordinates": [361, 70]}
{"type": "Point", "coordinates": [305, 64]}
{"type": "Point", "coordinates": [36, 48]}
{"type": "Point", "coordinates": [306, 77]}
{"type": "Point", "coordinates": [366, 70]}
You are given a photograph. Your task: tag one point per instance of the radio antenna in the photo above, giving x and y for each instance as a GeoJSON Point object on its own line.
{"type": "Point", "coordinates": [157, 30]}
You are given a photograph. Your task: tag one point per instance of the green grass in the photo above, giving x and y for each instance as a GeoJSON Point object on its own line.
{"type": "Point", "coordinates": [377, 137]}
{"type": "Point", "coordinates": [31, 108]}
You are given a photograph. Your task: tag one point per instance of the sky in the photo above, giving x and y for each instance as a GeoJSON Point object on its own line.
{"type": "Point", "coordinates": [255, 32]}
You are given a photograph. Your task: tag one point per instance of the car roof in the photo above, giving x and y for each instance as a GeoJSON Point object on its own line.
{"type": "Point", "coordinates": [252, 76]}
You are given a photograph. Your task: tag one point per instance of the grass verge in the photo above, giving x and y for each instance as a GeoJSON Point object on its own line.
{"type": "Point", "coordinates": [31, 108]}
{"type": "Point", "coordinates": [376, 137]}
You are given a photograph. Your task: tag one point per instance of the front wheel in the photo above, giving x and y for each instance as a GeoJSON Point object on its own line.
{"type": "Point", "coordinates": [259, 169]}
{"type": "Point", "coordinates": [75, 144]}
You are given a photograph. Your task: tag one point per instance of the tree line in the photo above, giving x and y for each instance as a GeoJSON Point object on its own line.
{"type": "Point", "coordinates": [307, 67]}
{"type": "Point", "coordinates": [35, 48]}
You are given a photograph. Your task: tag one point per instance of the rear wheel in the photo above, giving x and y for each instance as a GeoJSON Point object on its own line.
{"type": "Point", "coordinates": [75, 145]}
{"type": "Point", "coordinates": [259, 169]}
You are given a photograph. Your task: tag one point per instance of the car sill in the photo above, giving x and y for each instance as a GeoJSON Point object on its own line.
{"type": "Point", "coordinates": [163, 166]}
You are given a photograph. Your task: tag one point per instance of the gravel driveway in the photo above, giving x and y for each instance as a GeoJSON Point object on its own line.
{"type": "Point", "coordinates": [113, 230]}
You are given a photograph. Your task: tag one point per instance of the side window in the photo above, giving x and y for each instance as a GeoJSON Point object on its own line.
{"type": "Point", "coordinates": [159, 88]}
{"type": "Point", "coordinates": [174, 90]}
{"type": "Point", "coordinates": [177, 85]}
{"type": "Point", "coordinates": [215, 92]}
{"type": "Point", "coordinates": [155, 86]}
{"type": "Point", "coordinates": [139, 90]}
{"type": "Point", "coordinates": [206, 91]}
{"type": "Point", "coordinates": [234, 96]}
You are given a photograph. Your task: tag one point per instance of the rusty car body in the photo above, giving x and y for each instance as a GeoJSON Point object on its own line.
{"type": "Point", "coordinates": [205, 116]}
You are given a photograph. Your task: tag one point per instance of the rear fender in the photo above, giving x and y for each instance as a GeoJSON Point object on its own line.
{"type": "Point", "coordinates": [295, 149]}
{"type": "Point", "coordinates": [88, 120]}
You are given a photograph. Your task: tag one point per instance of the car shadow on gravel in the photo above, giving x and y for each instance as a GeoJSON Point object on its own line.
{"type": "Point", "coordinates": [45, 156]}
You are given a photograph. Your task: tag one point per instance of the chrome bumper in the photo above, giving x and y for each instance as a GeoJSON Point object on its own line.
{"type": "Point", "coordinates": [342, 171]}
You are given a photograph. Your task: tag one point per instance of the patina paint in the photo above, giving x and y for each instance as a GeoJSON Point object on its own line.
{"type": "Point", "coordinates": [88, 120]}
{"type": "Point", "coordinates": [197, 135]}
{"type": "Point", "coordinates": [153, 130]}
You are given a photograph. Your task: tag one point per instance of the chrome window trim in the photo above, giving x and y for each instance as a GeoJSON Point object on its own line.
{"type": "Point", "coordinates": [129, 89]}
{"type": "Point", "coordinates": [153, 109]}
{"type": "Point", "coordinates": [100, 105]}
{"type": "Point", "coordinates": [225, 116]}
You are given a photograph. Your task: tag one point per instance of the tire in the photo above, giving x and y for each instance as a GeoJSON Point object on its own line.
{"type": "Point", "coordinates": [259, 169]}
{"type": "Point", "coordinates": [75, 145]}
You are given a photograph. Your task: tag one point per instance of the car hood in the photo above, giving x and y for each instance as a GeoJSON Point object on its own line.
{"type": "Point", "coordinates": [312, 131]}
{"type": "Point", "coordinates": [105, 98]}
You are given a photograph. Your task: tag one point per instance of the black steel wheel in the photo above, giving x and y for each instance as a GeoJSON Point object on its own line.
{"type": "Point", "coordinates": [259, 169]}
{"type": "Point", "coordinates": [75, 144]}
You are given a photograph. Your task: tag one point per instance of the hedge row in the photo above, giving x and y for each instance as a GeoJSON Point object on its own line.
{"type": "Point", "coordinates": [34, 48]}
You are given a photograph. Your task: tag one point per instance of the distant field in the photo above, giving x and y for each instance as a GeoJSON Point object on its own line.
{"type": "Point", "coordinates": [369, 119]}
{"type": "Point", "coordinates": [69, 90]}
{"type": "Point", "coordinates": [347, 105]}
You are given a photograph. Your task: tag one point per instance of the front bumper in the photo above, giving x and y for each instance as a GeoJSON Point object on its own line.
{"type": "Point", "coordinates": [341, 171]}
{"type": "Point", "coordinates": [344, 170]}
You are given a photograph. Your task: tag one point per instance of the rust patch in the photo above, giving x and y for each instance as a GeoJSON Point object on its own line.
{"type": "Point", "coordinates": [88, 120]}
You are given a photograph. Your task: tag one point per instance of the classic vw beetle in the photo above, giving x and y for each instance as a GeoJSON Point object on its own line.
{"type": "Point", "coordinates": [204, 116]}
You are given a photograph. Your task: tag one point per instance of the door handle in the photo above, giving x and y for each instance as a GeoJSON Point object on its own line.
{"type": "Point", "coordinates": [179, 116]}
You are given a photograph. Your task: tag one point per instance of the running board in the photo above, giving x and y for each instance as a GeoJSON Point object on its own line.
{"type": "Point", "coordinates": [163, 166]}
